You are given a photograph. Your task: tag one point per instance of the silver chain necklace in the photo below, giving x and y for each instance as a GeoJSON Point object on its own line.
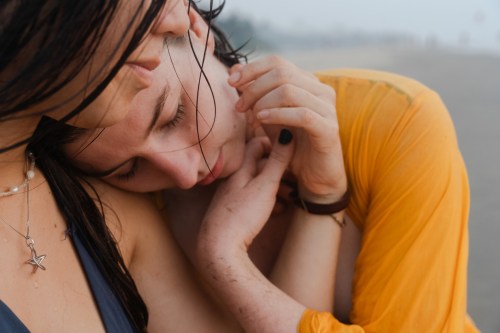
{"type": "Point", "coordinates": [35, 260]}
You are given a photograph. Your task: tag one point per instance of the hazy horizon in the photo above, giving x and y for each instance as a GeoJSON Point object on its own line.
{"type": "Point", "coordinates": [457, 23]}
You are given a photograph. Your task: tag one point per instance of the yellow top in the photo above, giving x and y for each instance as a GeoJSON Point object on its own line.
{"type": "Point", "coordinates": [411, 203]}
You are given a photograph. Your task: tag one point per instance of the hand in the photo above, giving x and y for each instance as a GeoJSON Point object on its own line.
{"type": "Point", "coordinates": [275, 92]}
{"type": "Point", "coordinates": [244, 202]}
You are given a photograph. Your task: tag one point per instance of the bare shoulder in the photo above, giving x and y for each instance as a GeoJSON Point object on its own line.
{"type": "Point", "coordinates": [130, 216]}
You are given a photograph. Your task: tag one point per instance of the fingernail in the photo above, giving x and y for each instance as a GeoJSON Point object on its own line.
{"type": "Point", "coordinates": [285, 137]}
{"type": "Point", "coordinates": [235, 77]}
{"type": "Point", "coordinates": [263, 115]}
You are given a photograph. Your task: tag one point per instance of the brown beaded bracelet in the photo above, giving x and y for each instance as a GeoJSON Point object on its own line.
{"type": "Point", "coordinates": [321, 209]}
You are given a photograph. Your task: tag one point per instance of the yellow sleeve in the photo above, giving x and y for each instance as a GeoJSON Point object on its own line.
{"type": "Point", "coordinates": [411, 201]}
{"type": "Point", "coordinates": [324, 322]}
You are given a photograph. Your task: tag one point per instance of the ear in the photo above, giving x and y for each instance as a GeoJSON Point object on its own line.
{"type": "Point", "coordinates": [199, 27]}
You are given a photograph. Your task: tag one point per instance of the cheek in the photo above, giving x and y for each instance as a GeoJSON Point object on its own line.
{"type": "Point", "coordinates": [234, 153]}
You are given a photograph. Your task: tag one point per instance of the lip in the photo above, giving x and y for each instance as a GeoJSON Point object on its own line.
{"type": "Point", "coordinates": [143, 69]}
{"type": "Point", "coordinates": [216, 172]}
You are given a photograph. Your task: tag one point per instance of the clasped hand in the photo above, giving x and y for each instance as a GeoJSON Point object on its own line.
{"type": "Point", "coordinates": [276, 94]}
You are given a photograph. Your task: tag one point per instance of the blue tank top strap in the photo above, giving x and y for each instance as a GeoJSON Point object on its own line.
{"type": "Point", "coordinates": [112, 313]}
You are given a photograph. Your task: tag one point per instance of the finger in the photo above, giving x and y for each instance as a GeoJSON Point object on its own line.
{"type": "Point", "coordinates": [301, 105]}
{"type": "Point", "coordinates": [235, 68]}
{"type": "Point", "coordinates": [244, 74]}
{"type": "Point", "coordinates": [251, 71]}
{"type": "Point", "coordinates": [311, 122]}
{"type": "Point", "coordinates": [282, 76]}
{"type": "Point", "coordinates": [255, 150]}
{"type": "Point", "coordinates": [235, 75]}
{"type": "Point", "coordinates": [282, 198]}
{"type": "Point", "coordinates": [277, 162]}
{"type": "Point", "coordinates": [288, 95]}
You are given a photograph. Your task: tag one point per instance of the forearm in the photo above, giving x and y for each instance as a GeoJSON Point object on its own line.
{"type": "Point", "coordinates": [306, 266]}
{"type": "Point", "coordinates": [257, 304]}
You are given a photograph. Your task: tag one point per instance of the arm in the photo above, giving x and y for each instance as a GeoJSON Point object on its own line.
{"type": "Point", "coordinates": [415, 232]}
{"type": "Point", "coordinates": [279, 94]}
{"type": "Point", "coordinates": [306, 266]}
{"type": "Point", "coordinates": [412, 199]}
{"type": "Point", "coordinates": [239, 209]}
{"type": "Point", "coordinates": [223, 243]}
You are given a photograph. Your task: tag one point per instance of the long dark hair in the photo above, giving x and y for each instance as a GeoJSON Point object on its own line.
{"type": "Point", "coordinates": [224, 50]}
{"type": "Point", "coordinates": [49, 43]}
{"type": "Point", "coordinates": [86, 213]}
{"type": "Point", "coordinates": [44, 45]}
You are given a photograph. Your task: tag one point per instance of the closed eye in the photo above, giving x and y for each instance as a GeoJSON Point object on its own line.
{"type": "Point", "coordinates": [125, 176]}
{"type": "Point", "coordinates": [179, 115]}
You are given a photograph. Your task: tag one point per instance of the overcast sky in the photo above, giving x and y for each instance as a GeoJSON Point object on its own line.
{"type": "Point", "coordinates": [477, 21]}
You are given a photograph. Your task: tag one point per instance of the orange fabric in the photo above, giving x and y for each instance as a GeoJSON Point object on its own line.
{"type": "Point", "coordinates": [411, 202]}
{"type": "Point", "coordinates": [323, 322]}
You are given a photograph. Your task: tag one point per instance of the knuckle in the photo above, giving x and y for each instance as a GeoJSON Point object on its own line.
{"type": "Point", "coordinates": [329, 92]}
{"type": "Point", "coordinates": [286, 92]}
{"type": "Point", "coordinates": [282, 75]}
{"type": "Point", "coordinates": [307, 116]}
{"type": "Point", "coordinates": [248, 71]}
{"type": "Point", "coordinates": [275, 59]}
{"type": "Point", "coordinates": [278, 156]}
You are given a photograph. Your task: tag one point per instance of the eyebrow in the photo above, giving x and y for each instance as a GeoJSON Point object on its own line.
{"type": "Point", "coordinates": [160, 103]}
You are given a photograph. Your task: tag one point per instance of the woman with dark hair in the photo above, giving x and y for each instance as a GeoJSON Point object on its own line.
{"type": "Point", "coordinates": [68, 244]}
{"type": "Point", "coordinates": [400, 263]}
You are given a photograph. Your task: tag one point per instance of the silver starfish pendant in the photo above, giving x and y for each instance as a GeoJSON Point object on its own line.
{"type": "Point", "coordinates": [36, 261]}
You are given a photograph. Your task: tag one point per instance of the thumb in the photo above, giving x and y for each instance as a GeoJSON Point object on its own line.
{"type": "Point", "coordinates": [279, 159]}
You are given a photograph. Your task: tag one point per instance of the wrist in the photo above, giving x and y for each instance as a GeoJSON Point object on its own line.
{"type": "Point", "coordinates": [322, 196]}
{"type": "Point", "coordinates": [218, 264]}
{"type": "Point", "coordinates": [331, 208]}
{"type": "Point", "coordinates": [216, 251]}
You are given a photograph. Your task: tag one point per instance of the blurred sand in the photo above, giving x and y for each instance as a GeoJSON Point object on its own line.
{"type": "Point", "coordinates": [470, 86]}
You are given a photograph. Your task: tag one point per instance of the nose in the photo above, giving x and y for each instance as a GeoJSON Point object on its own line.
{"type": "Point", "coordinates": [181, 166]}
{"type": "Point", "coordinates": [173, 20]}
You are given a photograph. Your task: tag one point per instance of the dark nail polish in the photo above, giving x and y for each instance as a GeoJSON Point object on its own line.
{"type": "Point", "coordinates": [285, 137]}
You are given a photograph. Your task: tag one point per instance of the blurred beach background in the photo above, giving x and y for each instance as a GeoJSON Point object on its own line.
{"type": "Point", "coordinates": [452, 46]}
